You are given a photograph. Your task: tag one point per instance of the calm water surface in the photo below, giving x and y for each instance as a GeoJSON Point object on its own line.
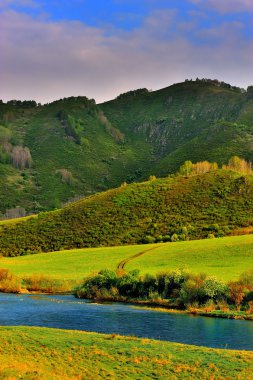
{"type": "Point", "coordinates": [67, 312]}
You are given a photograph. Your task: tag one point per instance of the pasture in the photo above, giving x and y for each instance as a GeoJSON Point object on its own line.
{"type": "Point", "coordinates": [226, 258]}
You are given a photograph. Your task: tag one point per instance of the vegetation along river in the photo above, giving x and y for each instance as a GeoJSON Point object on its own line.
{"type": "Point", "coordinates": [67, 312]}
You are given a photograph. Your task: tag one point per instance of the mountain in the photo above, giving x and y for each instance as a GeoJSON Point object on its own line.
{"type": "Point", "coordinates": [211, 204]}
{"type": "Point", "coordinates": [51, 154]}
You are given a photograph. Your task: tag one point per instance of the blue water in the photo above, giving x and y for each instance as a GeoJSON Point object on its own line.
{"type": "Point", "coordinates": [67, 312]}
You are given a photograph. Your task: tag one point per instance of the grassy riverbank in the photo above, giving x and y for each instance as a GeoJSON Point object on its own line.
{"type": "Point", "coordinates": [41, 353]}
{"type": "Point", "coordinates": [226, 258]}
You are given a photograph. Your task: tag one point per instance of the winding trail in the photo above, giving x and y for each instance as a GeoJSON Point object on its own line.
{"type": "Point", "coordinates": [121, 266]}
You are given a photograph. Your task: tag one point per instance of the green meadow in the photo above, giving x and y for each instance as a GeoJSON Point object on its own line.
{"type": "Point", "coordinates": [72, 264]}
{"type": "Point", "coordinates": [226, 258]}
{"type": "Point", "coordinates": [42, 353]}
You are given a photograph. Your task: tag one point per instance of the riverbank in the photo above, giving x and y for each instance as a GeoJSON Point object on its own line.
{"type": "Point", "coordinates": [232, 314]}
{"type": "Point", "coordinates": [42, 353]}
{"type": "Point", "coordinates": [180, 289]}
{"type": "Point", "coordinates": [161, 305]}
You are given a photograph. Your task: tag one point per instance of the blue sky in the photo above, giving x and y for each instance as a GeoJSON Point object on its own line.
{"type": "Point", "coordinates": [102, 48]}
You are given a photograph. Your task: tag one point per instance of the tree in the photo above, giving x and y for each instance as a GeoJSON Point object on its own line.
{"type": "Point", "coordinates": [21, 157]}
{"type": "Point", "coordinates": [239, 165]}
{"type": "Point", "coordinates": [236, 292]}
{"type": "Point", "coordinates": [186, 168]}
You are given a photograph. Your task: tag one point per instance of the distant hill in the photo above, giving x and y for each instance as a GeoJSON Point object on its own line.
{"type": "Point", "coordinates": [70, 148]}
{"type": "Point", "coordinates": [179, 207]}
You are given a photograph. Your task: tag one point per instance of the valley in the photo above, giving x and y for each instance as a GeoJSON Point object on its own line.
{"type": "Point", "coordinates": [143, 201]}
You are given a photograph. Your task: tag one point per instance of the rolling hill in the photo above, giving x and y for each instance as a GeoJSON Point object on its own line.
{"type": "Point", "coordinates": [53, 153]}
{"type": "Point", "coordinates": [212, 256]}
{"type": "Point", "coordinates": [211, 204]}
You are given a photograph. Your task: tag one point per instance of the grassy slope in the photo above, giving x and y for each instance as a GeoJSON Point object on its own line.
{"type": "Point", "coordinates": [128, 214]}
{"type": "Point", "coordinates": [40, 353]}
{"type": "Point", "coordinates": [225, 258]}
{"type": "Point", "coordinates": [72, 264]}
{"type": "Point", "coordinates": [162, 129]}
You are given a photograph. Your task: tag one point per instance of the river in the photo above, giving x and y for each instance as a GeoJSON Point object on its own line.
{"type": "Point", "coordinates": [67, 312]}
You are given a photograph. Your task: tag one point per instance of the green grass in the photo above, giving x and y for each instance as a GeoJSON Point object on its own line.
{"type": "Point", "coordinates": [72, 264]}
{"type": "Point", "coordinates": [41, 353]}
{"type": "Point", "coordinates": [226, 258]}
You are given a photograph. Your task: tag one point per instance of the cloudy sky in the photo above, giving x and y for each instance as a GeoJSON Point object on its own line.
{"type": "Point", "coordinates": [99, 48]}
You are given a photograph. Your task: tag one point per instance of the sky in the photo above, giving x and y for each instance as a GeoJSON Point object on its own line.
{"type": "Point", "coordinates": [52, 49]}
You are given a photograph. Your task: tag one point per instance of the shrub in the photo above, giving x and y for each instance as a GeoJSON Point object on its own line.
{"type": "Point", "coordinates": [101, 285]}
{"type": "Point", "coordinates": [9, 283]}
{"type": "Point", "coordinates": [174, 238]}
{"type": "Point", "coordinates": [169, 283]}
{"type": "Point", "coordinates": [190, 291]}
{"type": "Point", "coordinates": [149, 239]}
{"type": "Point", "coordinates": [42, 283]}
{"type": "Point", "coordinates": [180, 287]}
{"type": "Point", "coordinates": [250, 308]}
{"type": "Point", "coordinates": [21, 157]}
{"type": "Point", "coordinates": [214, 289]}
{"type": "Point", "coordinates": [186, 168]}
{"type": "Point", "coordinates": [236, 293]}
{"type": "Point", "coordinates": [239, 165]}
{"type": "Point", "coordinates": [65, 175]}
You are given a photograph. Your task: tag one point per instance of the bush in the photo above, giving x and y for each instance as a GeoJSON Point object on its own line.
{"type": "Point", "coordinates": [21, 157]}
{"type": "Point", "coordinates": [180, 287]}
{"type": "Point", "coordinates": [149, 239]}
{"type": "Point", "coordinates": [190, 291]}
{"type": "Point", "coordinates": [46, 284]}
{"type": "Point", "coordinates": [214, 289]}
{"type": "Point", "coordinates": [9, 283]}
{"type": "Point", "coordinates": [236, 293]}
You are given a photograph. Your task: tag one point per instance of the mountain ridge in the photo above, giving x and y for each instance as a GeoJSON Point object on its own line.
{"type": "Point", "coordinates": [78, 148]}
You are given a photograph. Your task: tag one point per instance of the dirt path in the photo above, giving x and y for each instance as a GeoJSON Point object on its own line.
{"type": "Point", "coordinates": [121, 266]}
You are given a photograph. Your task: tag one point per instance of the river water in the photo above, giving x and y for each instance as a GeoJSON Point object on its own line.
{"type": "Point", "coordinates": [67, 312]}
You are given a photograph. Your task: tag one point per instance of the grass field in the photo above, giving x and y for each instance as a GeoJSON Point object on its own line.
{"type": "Point", "coordinates": [225, 258]}
{"type": "Point", "coordinates": [41, 353]}
{"type": "Point", "coordinates": [72, 264]}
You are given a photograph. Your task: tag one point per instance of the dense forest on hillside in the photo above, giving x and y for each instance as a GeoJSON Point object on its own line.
{"type": "Point", "coordinates": [54, 153]}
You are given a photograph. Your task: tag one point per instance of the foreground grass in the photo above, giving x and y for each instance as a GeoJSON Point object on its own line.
{"type": "Point", "coordinates": [41, 353]}
{"type": "Point", "coordinates": [226, 258]}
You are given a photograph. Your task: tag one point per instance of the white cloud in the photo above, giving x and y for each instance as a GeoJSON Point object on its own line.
{"type": "Point", "coordinates": [46, 60]}
{"type": "Point", "coordinates": [22, 3]}
{"type": "Point", "coordinates": [226, 6]}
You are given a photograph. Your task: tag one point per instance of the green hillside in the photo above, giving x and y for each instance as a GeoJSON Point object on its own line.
{"type": "Point", "coordinates": [58, 152]}
{"type": "Point", "coordinates": [211, 204]}
{"type": "Point", "coordinates": [226, 258]}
